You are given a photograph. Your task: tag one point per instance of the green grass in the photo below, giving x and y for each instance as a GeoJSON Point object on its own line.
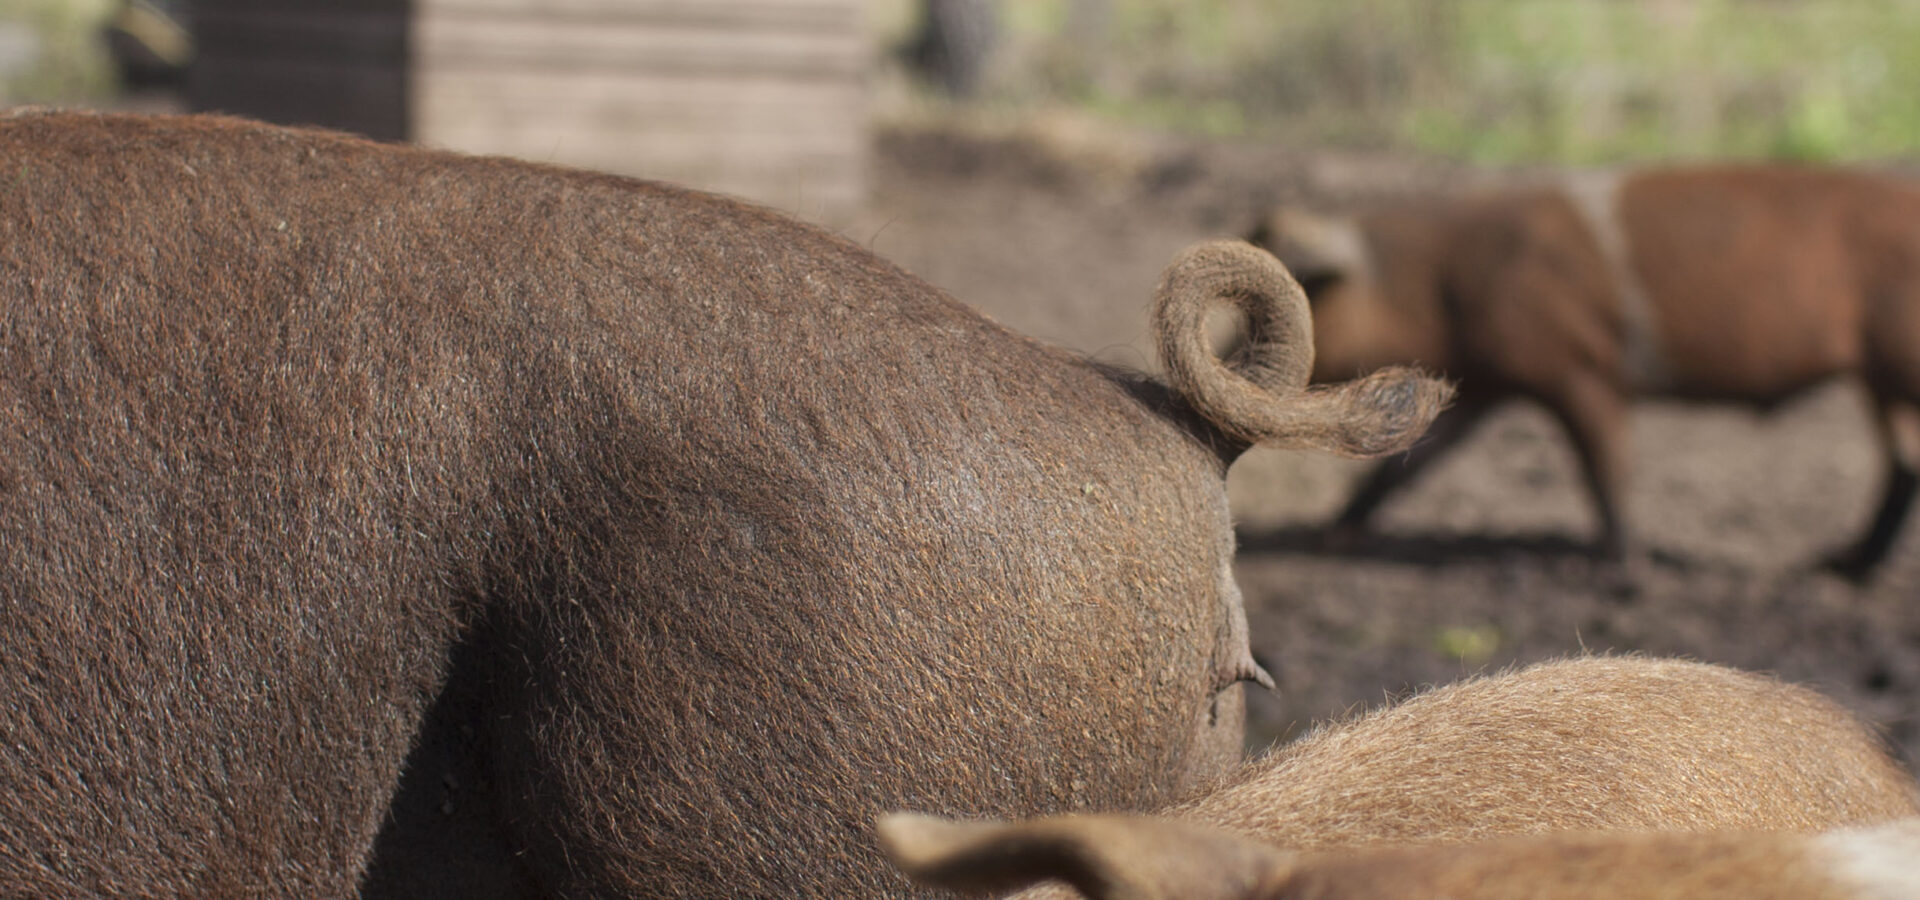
{"type": "Point", "coordinates": [1497, 81]}
{"type": "Point", "coordinates": [1506, 81]}
{"type": "Point", "coordinates": [71, 66]}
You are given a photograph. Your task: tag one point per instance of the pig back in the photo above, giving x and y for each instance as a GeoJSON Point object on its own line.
{"type": "Point", "coordinates": [724, 534]}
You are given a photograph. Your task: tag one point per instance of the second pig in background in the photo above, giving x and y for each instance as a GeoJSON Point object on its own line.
{"type": "Point", "coordinates": [1746, 284]}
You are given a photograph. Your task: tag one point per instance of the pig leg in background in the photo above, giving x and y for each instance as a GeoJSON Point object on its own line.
{"type": "Point", "coordinates": [1899, 431]}
{"type": "Point", "coordinates": [1447, 431]}
{"type": "Point", "coordinates": [1892, 371]}
{"type": "Point", "coordinates": [1594, 413]}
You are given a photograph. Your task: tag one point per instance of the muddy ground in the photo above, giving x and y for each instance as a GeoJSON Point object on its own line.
{"type": "Point", "coordinates": [1061, 234]}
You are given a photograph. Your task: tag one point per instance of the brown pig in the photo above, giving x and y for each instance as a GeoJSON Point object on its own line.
{"type": "Point", "coordinates": [1116, 857]}
{"type": "Point", "coordinates": [381, 520]}
{"type": "Point", "coordinates": [1617, 744]}
{"type": "Point", "coordinates": [1732, 283]}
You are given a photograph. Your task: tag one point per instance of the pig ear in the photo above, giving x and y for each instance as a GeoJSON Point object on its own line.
{"type": "Point", "coordinates": [1264, 233]}
{"type": "Point", "coordinates": [1104, 857]}
{"type": "Point", "coordinates": [1260, 394]}
{"type": "Point", "coordinates": [1319, 251]}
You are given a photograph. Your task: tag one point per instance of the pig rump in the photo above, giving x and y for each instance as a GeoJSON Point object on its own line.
{"type": "Point", "coordinates": [382, 520]}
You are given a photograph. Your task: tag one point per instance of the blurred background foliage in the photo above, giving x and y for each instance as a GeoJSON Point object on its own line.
{"type": "Point", "coordinates": [51, 51]}
{"type": "Point", "coordinates": [1494, 81]}
{"type": "Point", "coordinates": [1491, 81]}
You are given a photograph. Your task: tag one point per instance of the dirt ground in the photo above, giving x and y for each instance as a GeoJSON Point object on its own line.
{"type": "Point", "coordinates": [1061, 233]}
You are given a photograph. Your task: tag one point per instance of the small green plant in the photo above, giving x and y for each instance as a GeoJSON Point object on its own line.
{"type": "Point", "coordinates": [1470, 644]}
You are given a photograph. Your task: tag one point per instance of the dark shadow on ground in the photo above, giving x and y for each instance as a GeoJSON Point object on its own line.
{"type": "Point", "coordinates": [1566, 554]}
{"type": "Point", "coordinates": [1422, 549]}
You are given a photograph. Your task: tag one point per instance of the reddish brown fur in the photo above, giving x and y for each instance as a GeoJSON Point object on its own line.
{"type": "Point", "coordinates": [473, 526]}
{"type": "Point", "coordinates": [1619, 866]}
{"type": "Point", "coordinates": [1381, 413]}
{"type": "Point", "coordinates": [1138, 858]}
{"type": "Point", "coordinates": [1591, 743]}
{"type": "Point", "coordinates": [1749, 283]}
{"type": "Point", "coordinates": [1616, 744]}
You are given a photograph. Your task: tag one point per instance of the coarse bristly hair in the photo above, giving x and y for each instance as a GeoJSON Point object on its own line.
{"type": "Point", "coordinates": [1381, 413]}
{"type": "Point", "coordinates": [1605, 744]}
{"type": "Point", "coordinates": [381, 519]}
{"type": "Point", "coordinates": [1119, 857]}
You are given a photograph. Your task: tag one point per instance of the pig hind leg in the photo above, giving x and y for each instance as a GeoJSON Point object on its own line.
{"type": "Point", "coordinates": [1897, 422]}
{"type": "Point", "coordinates": [1447, 431]}
{"type": "Point", "coordinates": [1892, 370]}
{"type": "Point", "coordinates": [1594, 414]}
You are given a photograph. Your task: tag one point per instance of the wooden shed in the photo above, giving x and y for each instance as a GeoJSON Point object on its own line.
{"type": "Point", "coordinates": [766, 99]}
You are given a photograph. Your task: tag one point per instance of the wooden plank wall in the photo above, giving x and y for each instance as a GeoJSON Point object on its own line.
{"type": "Point", "coordinates": [766, 99]}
